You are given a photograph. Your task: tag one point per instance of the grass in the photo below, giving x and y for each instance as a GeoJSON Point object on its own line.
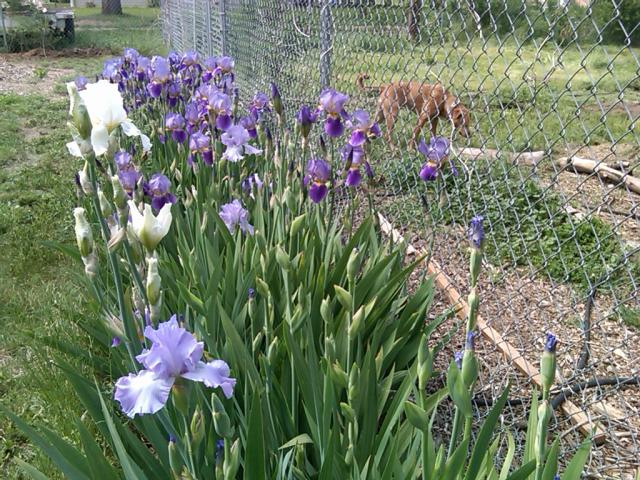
{"type": "Point", "coordinates": [40, 296]}
{"type": "Point", "coordinates": [526, 224]}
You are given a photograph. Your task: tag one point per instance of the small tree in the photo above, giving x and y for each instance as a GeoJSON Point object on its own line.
{"type": "Point", "coordinates": [111, 7]}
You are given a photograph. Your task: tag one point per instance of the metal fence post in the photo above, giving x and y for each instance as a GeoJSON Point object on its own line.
{"type": "Point", "coordinates": [223, 27]}
{"type": "Point", "coordinates": [326, 35]}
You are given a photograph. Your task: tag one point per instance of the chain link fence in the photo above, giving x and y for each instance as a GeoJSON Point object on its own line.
{"type": "Point", "coordinates": [553, 91]}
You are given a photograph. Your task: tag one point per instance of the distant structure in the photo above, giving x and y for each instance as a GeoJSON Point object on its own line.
{"type": "Point", "coordinates": [98, 3]}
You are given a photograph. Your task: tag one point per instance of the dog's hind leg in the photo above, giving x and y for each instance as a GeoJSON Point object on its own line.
{"type": "Point", "coordinates": [390, 114]}
{"type": "Point", "coordinates": [422, 120]}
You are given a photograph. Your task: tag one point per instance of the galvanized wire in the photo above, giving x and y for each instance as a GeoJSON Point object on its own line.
{"type": "Point", "coordinates": [561, 79]}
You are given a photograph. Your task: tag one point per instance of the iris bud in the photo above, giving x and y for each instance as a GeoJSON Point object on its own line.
{"type": "Point", "coordinates": [221, 421]}
{"type": "Point", "coordinates": [348, 412]}
{"type": "Point", "coordinates": [343, 296]}
{"type": "Point", "coordinates": [357, 322]}
{"type": "Point", "coordinates": [353, 383]}
{"type": "Point", "coordinates": [474, 303]}
{"type": "Point", "coordinates": [174, 458]}
{"type": "Point", "coordinates": [232, 462]}
{"type": "Point", "coordinates": [84, 237]}
{"type": "Point", "coordinates": [153, 281]}
{"type": "Point", "coordinates": [475, 265]}
{"type": "Point", "coordinates": [262, 287]}
{"type": "Point", "coordinates": [283, 259]}
{"type": "Point", "coordinates": [339, 375]}
{"type": "Point", "coordinates": [119, 195]}
{"type": "Point", "coordinates": [78, 112]}
{"type": "Point", "coordinates": [544, 415]}
{"type": "Point", "coordinates": [329, 347]}
{"type": "Point", "coordinates": [325, 310]}
{"type": "Point", "coordinates": [197, 428]}
{"type": "Point", "coordinates": [297, 224]}
{"type": "Point", "coordinates": [469, 368]}
{"type": "Point", "coordinates": [85, 182]}
{"type": "Point", "coordinates": [272, 351]}
{"type": "Point", "coordinates": [425, 364]}
{"type": "Point", "coordinates": [353, 264]}
{"type": "Point", "coordinates": [105, 206]}
{"type": "Point", "coordinates": [548, 364]}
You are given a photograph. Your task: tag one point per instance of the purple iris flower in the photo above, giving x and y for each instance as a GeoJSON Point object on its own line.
{"type": "Point", "coordinates": [189, 58]}
{"type": "Point", "coordinates": [305, 119]}
{"type": "Point", "coordinates": [220, 107]}
{"type": "Point", "coordinates": [224, 72]}
{"type": "Point", "coordinates": [332, 103]}
{"type": "Point", "coordinates": [354, 156]}
{"type": "Point", "coordinates": [224, 65]}
{"type": "Point", "coordinates": [436, 150]}
{"type": "Point", "coordinates": [205, 92]}
{"type": "Point", "coordinates": [81, 83]}
{"type": "Point", "coordinates": [250, 182]}
{"type": "Point", "coordinates": [173, 94]}
{"type": "Point", "coordinates": [362, 128]}
{"type": "Point", "coordinates": [429, 171]}
{"type": "Point", "coordinates": [130, 55]}
{"type": "Point", "coordinates": [235, 139]}
{"type": "Point", "coordinates": [175, 123]}
{"type": "Point", "coordinates": [123, 160]}
{"type": "Point", "coordinates": [475, 232]}
{"type": "Point", "coordinates": [142, 68]}
{"type": "Point", "coordinates": [158, 188]}
{"type": "Point", "coordinates": [550, 343]}
{"type": "Point", "coordinates": [129, 179]}
{"type": "Point", "coordinates": [233, 215]}
{"type": "Point", "coordinates": [160, 71]}
{"type": "Point", "coordinates": [259, 104]}
{"type": "Point", "coordinates": [192, 116]}
{"type": "Point", "coordinates": [250, 124]}
{"type": "Point", "coordinates": [210, 64]}
{"type": "Point", "coordinates": [174, 59]}
{"type": "Point", "coordinates": [200, 143]}
{"type": "Point", "coordinates": [174, 353]}
{"type": "Point", "coordinates": [111, 70]}
{"type": "Point", "coordinates": [317, 175]}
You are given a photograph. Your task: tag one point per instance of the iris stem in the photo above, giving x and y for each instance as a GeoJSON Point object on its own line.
{"type": "Point", "coordinates": [454, 432]}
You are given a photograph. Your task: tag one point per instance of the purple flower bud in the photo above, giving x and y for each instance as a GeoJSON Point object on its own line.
{"type": "Point", "coordinates": [276, 99]}
{"type": "Point", "coordinates": [475, 232]}
{"type": "Point", "coordinates": [115, 342]}
{"type": "Point", "coordinates": [128, 180]}
{"type": "Point", "coordinates": [259, 104]}
{"type": "Point", "coordinates": [251, 293]}
{"type": "Point", "coordinates": [550, 343]}
{"type": "Point", "coordinates": [470, 341]}
{"type": "Point", "coordinates": [305, 119]}
{"type": "Point", "coordinates": [457, 357]}
{"type": "Point", "coordinates": [172, 438]}
{"type": "Point", "coordinates": [429, 172]}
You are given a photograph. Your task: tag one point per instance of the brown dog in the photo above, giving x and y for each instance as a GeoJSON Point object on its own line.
{"type": "Point", "coordinates": [429, 102]}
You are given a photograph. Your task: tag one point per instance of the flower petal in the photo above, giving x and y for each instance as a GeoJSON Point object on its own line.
{"type": "Point", "coordinates": [129, 129]}
{"type": "Point", "coordinates": [213, 374]}
{"type": "Point", "coordinates": [142, 393]}
{"type": "Point", "coordinates": [173, 351]}
{"type": "Point", "coordinates": [74, 149]}
{"type": "Point", "coordinates": [100, 139]}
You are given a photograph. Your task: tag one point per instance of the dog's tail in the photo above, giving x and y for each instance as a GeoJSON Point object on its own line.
{"type": "Point", "coordinates": [361, 78]}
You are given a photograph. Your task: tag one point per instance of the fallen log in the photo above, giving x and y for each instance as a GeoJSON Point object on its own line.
{"type": "Point", "coordinates": [525, 158]}
{"type": "Point", "coordinates": [604, 171]}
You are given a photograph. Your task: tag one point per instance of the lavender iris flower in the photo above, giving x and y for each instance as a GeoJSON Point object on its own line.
{"type": "Point", "coordinates": [192, 116]}
{"type": "Point", "coordinates": [225, 65]}
{"type": "Point", "coordinates": [129, 179]}
{"type": "Point", "coordinates": [173, 94]}
{"type": "Point", "coordinates": [160, 72]}
{"type": "Point", "coordinates": [210, 64]}
{"type": "Point", "coordinates": [332, 103]}
{"type": "Point", "coordinates": [362, 127]}
{"type": "Point", "coordinates": [220, 107]}
{"type": "Point", "coordinates": [250, 124]}
{"type": "Point", "coordinates": [189, 58]}
{"type": "Point", "coordinates": [429, 171]}
{"type": "Point", "coordinates": [175, 123]}
{"type": "Point", "coordinates": [475, 232]}
{"type": "Point", "coordinates": [259, 104]}
{"type": "Point", "coordinates": [130, 55]}
{"type": "Point", "coordinates": [317, 175]}
{"type": "Point", "coordinates": [200, 143]}
{"type": "Point", "coordinates": [235, 139]}
{"type": "Point", "coordinates": [354, 158]}
{"type": "Point", "coordinates": [174, 59]}
{"type": "Point", "coordinates": [436, 150]}
{"type": "Point", "coordinates": [81, 83]}
{"type": "Point", "coordinates": [250, 182]}
{"type": "Point", "coordinates": [550, 343]}
{"type": "Point", "coordinates": [158, 188]}
{"type": "Point", "coordinates": [305, 119]}
{"type": "Point", "coordinates": [142, 68]}
{"type": "Point", "coordinates": [174, 353]}
{"type": "Point", "coordinates": [233, 215]}
{"type": "Point", "coordinates": [123, 160]}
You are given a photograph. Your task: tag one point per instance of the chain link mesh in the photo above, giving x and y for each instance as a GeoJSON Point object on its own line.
{"type": "Point", "coordinates": [553, 90]}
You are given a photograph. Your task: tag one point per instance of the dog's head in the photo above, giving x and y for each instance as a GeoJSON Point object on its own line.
{"type": "Point", "coordinates": [459, 116]}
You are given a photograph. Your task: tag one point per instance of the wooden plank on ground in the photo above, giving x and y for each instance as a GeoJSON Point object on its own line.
{"type": "Point", "coordinates": [579, 418]}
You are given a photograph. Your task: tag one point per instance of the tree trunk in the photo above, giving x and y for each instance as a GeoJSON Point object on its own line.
{"type": "Point", "coordinates": [111, 7]}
